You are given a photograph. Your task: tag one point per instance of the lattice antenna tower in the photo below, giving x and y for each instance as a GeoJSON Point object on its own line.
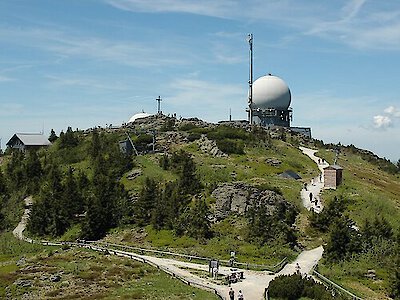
{"type": "Point", "coordinates": [250, 100]}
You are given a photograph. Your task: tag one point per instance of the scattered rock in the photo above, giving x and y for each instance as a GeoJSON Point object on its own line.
{"type": "Point", "coordinates": [23, 282]}
{"type": "Point", "coordinates": [55, 278]}
{"type": "Point", "coordinates": [134, 174]}
{"type": "Point", "coordinates": [43, 277]}
{"type": "Point", "coordinates": [21, 261]}
{"type": "Point", "coordinates": [371, 274]}
{"type": "Point", "coordinates": [273, 162]}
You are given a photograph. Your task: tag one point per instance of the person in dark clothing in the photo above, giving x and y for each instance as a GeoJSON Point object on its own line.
{"type": "Point", "coordinates": [231, 294]}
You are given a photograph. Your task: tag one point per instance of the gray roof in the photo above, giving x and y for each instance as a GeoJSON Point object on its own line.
{"type": "Point", "coordinates": [31, 139]}
{"type": "Point", "coordinates": [290, 174]}
{"type": "Point", "coordinates": [333, 167]}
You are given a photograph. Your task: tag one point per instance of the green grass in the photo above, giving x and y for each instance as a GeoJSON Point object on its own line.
{"type": "Point", "coordinates": [351, 275]}
{"type": "Point", "coordinates": [150, 168]}
{"type": "Point", "coordinates": [10, 247]}
{"type": "Point", "coordinates": [92, 275]}
{"type": "Point", "coordinates": [72, 233]}
{"type": "Point", "coordinates": [229, 236]}
{"type": "Point", "coordinates": [370, 193]}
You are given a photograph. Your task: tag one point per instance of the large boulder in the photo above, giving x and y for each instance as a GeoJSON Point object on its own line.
{"type": "Point", "coordinates": [238, 197]}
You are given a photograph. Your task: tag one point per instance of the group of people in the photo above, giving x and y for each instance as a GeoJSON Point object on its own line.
{"type": "Point", "coordinates": [232, 295]}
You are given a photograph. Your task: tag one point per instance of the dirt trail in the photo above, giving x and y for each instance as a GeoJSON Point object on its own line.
{"type": "Point", "coordinates": [18, 231]}
{"type": "Point", "coordinates": [316, 185]}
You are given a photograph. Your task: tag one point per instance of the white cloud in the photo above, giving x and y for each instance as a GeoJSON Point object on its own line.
{"type": "Point", "coordinates": [6, 79]}
{"type": "Point", "coordinates": [382, 122]}
{"type": "Point", "coordinates": [357, 23]}
{"type": "Point", "coordinates": [77, 80]}
{"type": "Point", "coordinates": [387, 119]}
{"type": "Point", "coordinates": [205, 7]}
{"type": "Point", "coordinates": [392, 111]}
{"type": "Point", "coordinates": [65, 45]}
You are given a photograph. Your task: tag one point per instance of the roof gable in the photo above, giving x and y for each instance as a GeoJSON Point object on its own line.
{"type": "Point", "coordinates": [30, 139]}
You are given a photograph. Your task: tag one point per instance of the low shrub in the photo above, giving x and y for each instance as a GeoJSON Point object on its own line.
{"type": "Point", "coordinates": [292, 287]}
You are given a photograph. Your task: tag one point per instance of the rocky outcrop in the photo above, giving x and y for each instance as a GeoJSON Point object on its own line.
{"type": "Point", "coordinates": [210, 147]}
{"type": "Point", "coordinates": [238, 197]}
{"type": "Point", "coordinates": [133, 174]}
{"type": "Point", "coordinates": [195, 122]}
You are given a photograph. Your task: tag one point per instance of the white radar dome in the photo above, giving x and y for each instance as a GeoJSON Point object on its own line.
{"type": "Point", "coordinates": [138, 116]}
{"type": "Point", "coordinates": [270, 92]}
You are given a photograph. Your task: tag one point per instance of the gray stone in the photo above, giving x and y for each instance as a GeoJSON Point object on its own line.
{"type": "Point", "coordinates": [21, 261]}
{"type": "Point", "coordinates": [23, 283]}
{"type": "Point", "coordinates": [210, 147]}
{"type": "Point", "coordinates": [44, 277]}
{"type": "Point", "coordinates": [55, 278]}
{"type": "Point", "coordinates": [238, 197]}
{"type": "Point", "coordinates": [134, 174]}
{"type": "Point", "coordinates": [273, 162]}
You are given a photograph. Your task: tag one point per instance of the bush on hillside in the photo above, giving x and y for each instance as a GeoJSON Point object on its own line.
{"type": "Point", "coordinates": [292, 287]}
{"type": "Point", "coordinates": [229, 146]}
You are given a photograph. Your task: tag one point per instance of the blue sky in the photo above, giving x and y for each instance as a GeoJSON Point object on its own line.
{"type": "Point", "coordinates": [84, 63]}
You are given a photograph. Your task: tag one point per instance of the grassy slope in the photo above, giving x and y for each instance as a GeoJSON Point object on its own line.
{"type": "Point", "coordinates": [371, 192]}
{"type": "Point", "coordinates": [84, 274]}
{"type": "Point", "coordinates": [230, 233]}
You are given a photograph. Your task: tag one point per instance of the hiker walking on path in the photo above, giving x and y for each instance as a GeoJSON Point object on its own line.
{"type": "Point", "coordinates": [297, 268]}
{"type": "Point", "coordinates": [311, 197]}
{"type": "Point", "coordinates": [240, 295]}
{"type": "Point", "coordinates": [231, 294]}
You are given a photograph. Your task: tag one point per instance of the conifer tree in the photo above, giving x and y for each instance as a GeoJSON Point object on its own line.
{"type": "Point", "coordinates": [95, 145]}
{"type": "Point", "coordinates": [3, 185]}
{"type": "Point", "coordinates": [53, 137]}
{"type": "Point", "coordinates": [72, 197]}
{"type": "Point", "coordinates": [33, 171]}
{"type": "Point", "coordinates": [93, 226]}
{"type": "Point", "coordinates": [3, 197]}
{"type": "Point", "coordinates": [146, 202]}
{"type": "Point", "coordinates": [159, 214]}
{"type": "Point", "coordinates": [199, 224]}
{"type": "Point", "coordinates": [15, 170]}
{"type": "Point", "coordinates": [343, 239]}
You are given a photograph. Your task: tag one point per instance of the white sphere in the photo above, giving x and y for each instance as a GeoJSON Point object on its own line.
{"type": "Point", "coordinates": [138, 116]}
{"type": "Point", "coordinates": [270, 92]}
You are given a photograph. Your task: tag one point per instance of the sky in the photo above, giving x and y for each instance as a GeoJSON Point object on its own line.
{"type": "Point", "coordinates": [86, 63]}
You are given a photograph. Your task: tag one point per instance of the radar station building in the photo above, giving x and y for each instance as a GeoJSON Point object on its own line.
{"type": "Point", "coordinates": [271, 100]}
{"type": "Point", "coordinates": [270, 104]}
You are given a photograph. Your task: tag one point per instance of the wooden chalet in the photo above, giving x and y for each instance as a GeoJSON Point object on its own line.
{"type": "Point", "coordinates": [28, 141]}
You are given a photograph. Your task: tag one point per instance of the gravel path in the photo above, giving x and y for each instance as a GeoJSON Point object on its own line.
{"type": "Point", "coordinates": [315, 186]}
{"type": "Point", "coordinates": [18, 231]}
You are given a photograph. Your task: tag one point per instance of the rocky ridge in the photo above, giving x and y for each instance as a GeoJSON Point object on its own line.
{"type": "Point", "coordinates": [238, 197]}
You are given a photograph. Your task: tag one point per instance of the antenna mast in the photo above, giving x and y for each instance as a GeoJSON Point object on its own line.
{"type": "Point", "coordinates": [250, 101]}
